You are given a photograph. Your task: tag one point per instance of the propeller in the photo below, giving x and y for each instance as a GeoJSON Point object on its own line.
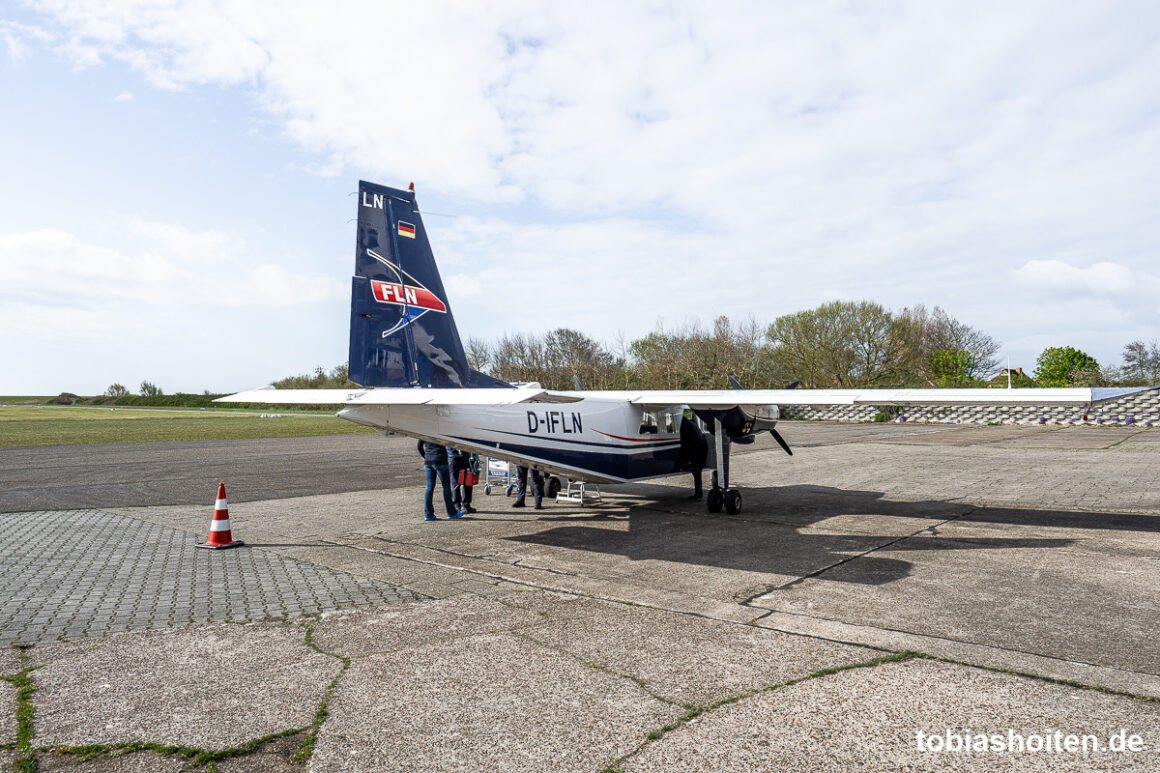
{"type": "Point", "coordinates": [781, 441]}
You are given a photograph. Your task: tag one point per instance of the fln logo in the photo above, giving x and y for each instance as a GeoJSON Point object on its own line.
{"type": "Point", "coordinates": [408, 292]}
{"type": "Point", "coordinates": [406, 295]}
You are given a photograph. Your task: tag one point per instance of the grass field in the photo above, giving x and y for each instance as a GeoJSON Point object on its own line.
{"type": "Point", "coordinates": [49, 426]}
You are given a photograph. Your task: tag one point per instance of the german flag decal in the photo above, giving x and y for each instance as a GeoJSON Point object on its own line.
{"type": "Point", "coordinates": [406, 229]}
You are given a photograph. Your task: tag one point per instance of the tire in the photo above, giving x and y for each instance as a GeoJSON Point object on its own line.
{"type": "Point", "coordinates": [553, 488]}
{"type": "Point", "coordinates": [487, 489]}
{"type": "Point", "coordinates": [509, 491]}
{"type": "Point", "coordinates": [733, 501]}
{"type": "Point", "coordinates": [714, 500]}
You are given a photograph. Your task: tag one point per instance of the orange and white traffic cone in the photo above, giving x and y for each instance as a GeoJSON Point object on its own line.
{"type": "Point", "coordinates": [219, 528]}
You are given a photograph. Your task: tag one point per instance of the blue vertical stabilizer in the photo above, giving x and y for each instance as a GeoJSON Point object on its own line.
{"type": "Point", "coordinates": [402, 332]}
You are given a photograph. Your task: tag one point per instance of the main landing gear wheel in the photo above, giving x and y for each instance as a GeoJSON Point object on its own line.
{"type": "Point", "coordinates": [714, 500]}
{"type": "Point", "coordinates": [553, 488]}
{"type": "Point", "coordinates": [733, 501]}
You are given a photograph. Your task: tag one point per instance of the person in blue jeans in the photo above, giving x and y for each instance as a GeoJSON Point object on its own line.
{"type": "Point", "coordinates": [435, 465]}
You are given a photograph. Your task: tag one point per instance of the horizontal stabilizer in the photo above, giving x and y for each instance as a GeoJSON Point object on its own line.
{"type": "Point", "coordinates": [271, 396]}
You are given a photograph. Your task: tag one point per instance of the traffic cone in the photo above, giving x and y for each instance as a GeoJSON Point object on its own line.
{"type": "Point", "coordinates": [219, 527]}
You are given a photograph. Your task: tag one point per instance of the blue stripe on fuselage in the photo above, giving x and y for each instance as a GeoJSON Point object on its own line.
{"type": "Point", "coordinates": [554, 439]}
{"type": "Point", "coordinates": [639, 463]}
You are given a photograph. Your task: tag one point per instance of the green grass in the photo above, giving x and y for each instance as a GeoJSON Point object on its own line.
{"type": "Point", "coordinates": [49, 426]}
{"type": "Point", "coordinates": [25, 399]}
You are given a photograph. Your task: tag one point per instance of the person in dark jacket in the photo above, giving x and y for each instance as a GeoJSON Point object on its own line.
{"type": "Point", "coordinates": [522, 490]}
{"type": "Point", "coordinates": [694, 451]}
{"type": "Point", "coordinates": [455, 460]}
{"type": "Point", "coordinates": [468, 465]}
{"type": "Point", "coordinates": [435, 466]}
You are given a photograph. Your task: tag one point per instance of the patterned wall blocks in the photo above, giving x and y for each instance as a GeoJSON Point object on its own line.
{"type": "Point", "coordinates": [1141, 410]}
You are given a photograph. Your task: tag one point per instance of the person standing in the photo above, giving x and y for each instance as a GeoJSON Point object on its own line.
{"type": "Point", "coordinates": [522, 490]}
{"type": "Point", "coordinates": [455, 460]}
{"type": "Point", "coordinates": [466, 478]}
{"type": "Point", "coordinates": [694, 450]}
{"type": "Point", "coordinates": [435, 466]}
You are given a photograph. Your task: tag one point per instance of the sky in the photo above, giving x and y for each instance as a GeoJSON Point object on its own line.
{"type": "Point", "coordinates": [177, 178]}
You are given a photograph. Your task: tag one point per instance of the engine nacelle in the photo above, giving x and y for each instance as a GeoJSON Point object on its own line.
{"type": "Point", "coordinates": [744, 421]}
{"type": "Point", "coordinates": [758, 418]}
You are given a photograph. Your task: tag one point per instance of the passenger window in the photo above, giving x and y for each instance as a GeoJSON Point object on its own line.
{"type": "Point", "coordinates": [648, 423]}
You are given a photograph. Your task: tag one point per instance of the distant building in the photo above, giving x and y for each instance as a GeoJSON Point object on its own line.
{"type": "Point", "coordinates": [1018, 378]}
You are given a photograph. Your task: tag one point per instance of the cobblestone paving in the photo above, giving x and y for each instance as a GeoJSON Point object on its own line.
{"type": "Point", "coordinates": [71, 574]}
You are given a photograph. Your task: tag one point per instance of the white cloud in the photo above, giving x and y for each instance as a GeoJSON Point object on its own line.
{"type": "Point", "coordinates": [1099, 280]}
{"type": "Point", "coordinates": [636, 160]}
{"type": "Point", "coordinates": [57, 286]}
{"type": "Point", "coordinates": [124, 96]}
{"type": "Point", "coordinates": [17, 36]}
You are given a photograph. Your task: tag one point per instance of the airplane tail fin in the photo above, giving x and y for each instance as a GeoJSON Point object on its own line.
{"type": "Point", "coordinates": [402, 332]}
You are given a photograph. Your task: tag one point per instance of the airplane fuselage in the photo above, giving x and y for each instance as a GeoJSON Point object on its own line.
{"type": "Point", "coordinates": [599, 440]}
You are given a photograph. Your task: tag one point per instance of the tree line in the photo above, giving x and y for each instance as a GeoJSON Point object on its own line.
{"type": "Point", "coordinates": [840, 344]}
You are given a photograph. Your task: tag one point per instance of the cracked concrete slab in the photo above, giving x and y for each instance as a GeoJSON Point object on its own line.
{"type": "Point", "coordinates": [868, 719]}
{"type": "Point", "coordinates": [49, 652]}
{"type": "Point", "coordinates": [380, 630]}
{"type": "Point", "coordinates": [1121, 680]}
{"type": "Point", "coordinates": [132, 762]}
{"type": "Point", "coordinates": [495, 702]}
{"type": "Point", "coordinates": [9, 661]}
{"type": "Point", "coordinates": [686, 659]}
{"type": "Point", "coordinates": [8, 705]}
{"type": "Point", "coordinates": [1064, 585]}
{"type": "Point", "coordinates": [211, 687]}
{"type": "Point", "coordinates": [271, 757]}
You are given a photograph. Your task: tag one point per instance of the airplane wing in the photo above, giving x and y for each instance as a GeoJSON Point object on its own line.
{"type": "Point", "coordinates": [725, 398]}
{"type": "Point", "coordinates": [501, 396]}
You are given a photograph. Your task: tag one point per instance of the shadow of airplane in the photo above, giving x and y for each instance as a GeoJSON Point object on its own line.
{"type": "Point", "coordinates": [782, 531]}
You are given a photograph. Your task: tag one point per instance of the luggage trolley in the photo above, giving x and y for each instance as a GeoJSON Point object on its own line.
{"type": "Point", "coordinates": [500, 473]}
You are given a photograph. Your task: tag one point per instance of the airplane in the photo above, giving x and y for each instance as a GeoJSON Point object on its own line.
{"type": "Point", "coordinates": [407, 356]}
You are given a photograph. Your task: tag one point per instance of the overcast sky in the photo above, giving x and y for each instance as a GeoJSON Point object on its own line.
{"type": "Point", "coordinates": [176, 178]}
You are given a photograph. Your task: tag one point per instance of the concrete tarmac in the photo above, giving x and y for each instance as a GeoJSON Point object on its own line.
{"type": "Point", "coordinates": [885, 586]}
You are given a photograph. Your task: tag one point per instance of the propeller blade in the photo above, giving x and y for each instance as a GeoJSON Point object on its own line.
{"type": "Point", "coordinates": [734, 383]}
{"type": "Point", "coordinates": [794, 385]}
{"type": "Point", "coordinates": [781, 441]}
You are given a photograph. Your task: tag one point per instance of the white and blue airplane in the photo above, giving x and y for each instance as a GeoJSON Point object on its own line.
{"type": "Point", "coordinates": [406, 352]}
